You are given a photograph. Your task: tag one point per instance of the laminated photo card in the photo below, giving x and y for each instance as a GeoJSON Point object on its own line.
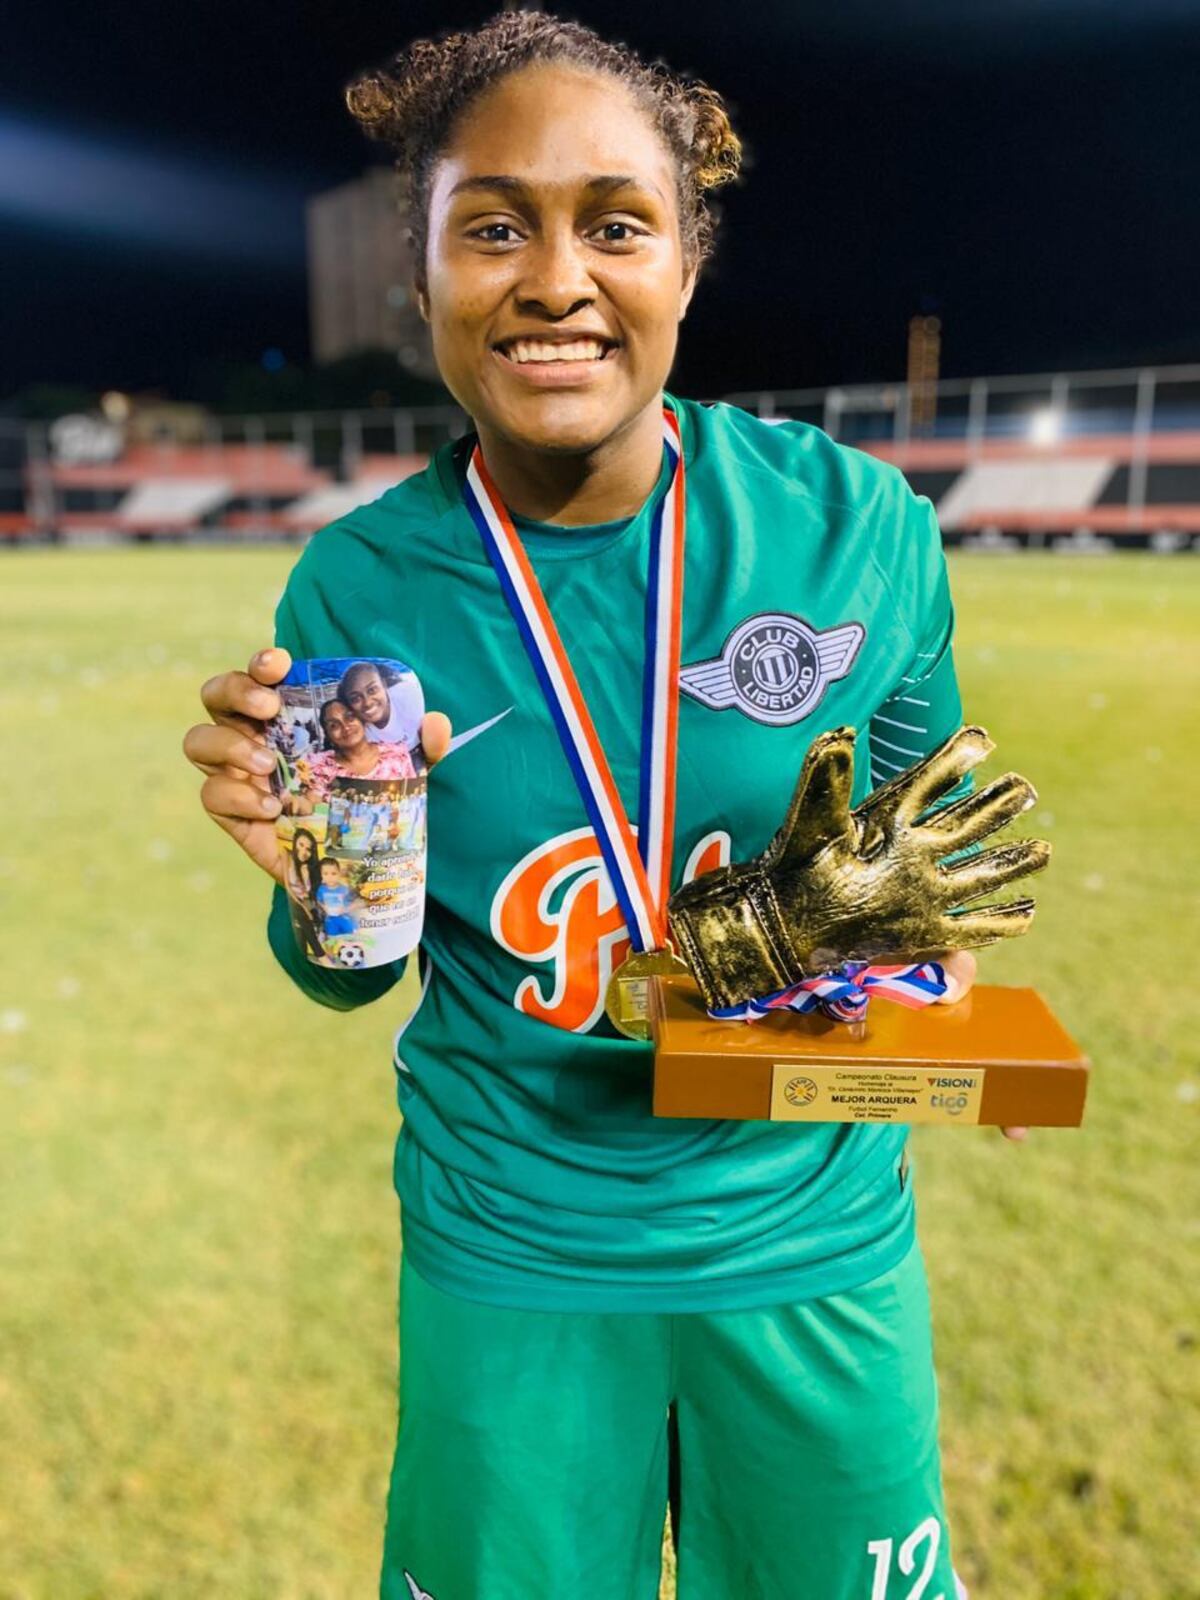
{"type": "Point", "coordinates": [350, 775]}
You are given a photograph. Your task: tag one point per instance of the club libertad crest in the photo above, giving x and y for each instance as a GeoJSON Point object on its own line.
{"type": "Point", "coordinates": [774, 667]}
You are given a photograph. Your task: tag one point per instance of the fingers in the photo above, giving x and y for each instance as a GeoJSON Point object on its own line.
{"type": "Point", "coordinates": [914, 791]}
{"type": "Point", "coordinates": [971, 819]}
{"type": "Point", "coordinates": [1016, 1135]}
{"type": "Point", "coordinates": [820, 807]}
{"type": "Point", "coordinates": [992, 869]}
{"type": "Point", "coordinates": [959, 967]}
{"type": "Point", "coordinates": [210, 745]}
{"type": "Point", "coordinates": [973, 929]}
{"type": "Point", "coordinates": [230, 799]}
{"type": "Point", "coordinates": [233, 695]}
{"type": "Point", "coordinates": [269, 666]}
{"type": "Point", "coordinates": [435, 736]}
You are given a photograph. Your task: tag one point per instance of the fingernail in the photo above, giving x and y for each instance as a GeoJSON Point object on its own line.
{"type": "Point", "coordinates": [262, 762]}
{"type": "Point", "coordinates": [269, 806]}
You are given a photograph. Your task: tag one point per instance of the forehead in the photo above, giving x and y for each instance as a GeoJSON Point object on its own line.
{"type": "Point", "coordinates": [553, 126]}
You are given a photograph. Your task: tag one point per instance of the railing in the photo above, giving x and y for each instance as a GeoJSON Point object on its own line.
{"type": "Point", "coordinates": [285, 473]}
{"type": "Point", "coordinates": [1140, 400]}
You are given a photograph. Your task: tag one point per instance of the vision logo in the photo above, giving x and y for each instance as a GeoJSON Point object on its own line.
{"type": "Point", "coordinates": [956, 1102]}
{"type": "Point", "coordinates": [556, 907]}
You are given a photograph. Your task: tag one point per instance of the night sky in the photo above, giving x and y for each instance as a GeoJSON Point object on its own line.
{"type": "Point", "coordinates": [1027, 169]}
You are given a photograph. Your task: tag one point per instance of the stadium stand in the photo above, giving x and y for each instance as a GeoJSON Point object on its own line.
{"type": "Point", "coordinates": [1024, 487]}
{"type": "Point", "coordinates": [375, 475]}
{"type": "Point", "coordinates": [1082, 461]}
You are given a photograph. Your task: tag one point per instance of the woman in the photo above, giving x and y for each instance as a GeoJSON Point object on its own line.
{"type": "Point", "coordinates": [302, 880]}
{"type": "Point", "coordinates": [572, 1266]}
{"type": "Point", "coordinates": [350, 754]}
{"type": "Point", "coordinates": [389, 705]}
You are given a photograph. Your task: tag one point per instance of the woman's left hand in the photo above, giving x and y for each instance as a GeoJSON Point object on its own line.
{"type": "Point", "coordinates": [960, 967]}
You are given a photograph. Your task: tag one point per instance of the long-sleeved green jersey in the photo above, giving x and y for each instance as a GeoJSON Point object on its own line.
{"type": "Point", "coordinates": [530, 1169]}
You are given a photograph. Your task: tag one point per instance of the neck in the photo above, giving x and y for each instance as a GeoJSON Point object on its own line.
{"type": "Point", "coordinates": [602, 485]}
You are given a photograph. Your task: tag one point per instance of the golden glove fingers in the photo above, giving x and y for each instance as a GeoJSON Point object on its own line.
{"type": "Point", "coordinates": [905, 796]}
{"type": "Point", "coordinates": [987, 925]}
{"type": "Point", "coordinates": [972, 818]}
{"type": "Point", "coordinates": [990, 870]}
{"type": "Point", "coordinates": [835, 885]}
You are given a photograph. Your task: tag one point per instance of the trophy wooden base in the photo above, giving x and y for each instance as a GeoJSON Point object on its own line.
{"type": "Point", "coordinates": [997, 1056]}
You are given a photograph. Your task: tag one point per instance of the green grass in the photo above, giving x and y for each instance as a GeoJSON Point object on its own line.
{"type": "Point", "coordinates": [197, 1230]}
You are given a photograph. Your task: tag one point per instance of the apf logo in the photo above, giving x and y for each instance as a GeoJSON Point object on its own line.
{"type": "Point", "coordinates": [800, 1091]}
{"type": "Point", "coordinates": [557, 906]}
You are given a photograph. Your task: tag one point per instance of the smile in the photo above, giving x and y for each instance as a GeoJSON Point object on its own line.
{"type": "Point", "coordinates": [547, 352]}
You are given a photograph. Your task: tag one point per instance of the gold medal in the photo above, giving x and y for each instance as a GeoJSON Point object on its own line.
{"type": "Point", "coordinates": [627, 998]}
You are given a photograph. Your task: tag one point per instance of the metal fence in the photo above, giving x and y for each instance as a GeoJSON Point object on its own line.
{"type": "Point", "coordinates": [284, 474]}
{"type": "Point", "coordinates": [1137, 400]}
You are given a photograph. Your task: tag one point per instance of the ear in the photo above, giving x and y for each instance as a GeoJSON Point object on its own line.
{"type": "Point", "coordinates": [422, 293]}
{"type": "Point", "coordinates": [691, 274]}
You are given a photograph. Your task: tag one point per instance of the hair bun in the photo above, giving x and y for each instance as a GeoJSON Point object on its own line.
{"type": "Point", "coordinates": [718, 149]}
{"type": "Point", "coordinates": [371, 100]}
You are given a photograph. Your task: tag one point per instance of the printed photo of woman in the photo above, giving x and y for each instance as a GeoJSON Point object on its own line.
{"type": "Point", "coordinates": [302, 881]}
{"type": "Point", "coordinates": [349, 754]}
{"type": "Point", "coordinates": [391, 705]}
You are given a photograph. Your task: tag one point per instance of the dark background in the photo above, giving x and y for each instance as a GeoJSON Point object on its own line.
{"type": "Point", "coordinates": [1027, 169]}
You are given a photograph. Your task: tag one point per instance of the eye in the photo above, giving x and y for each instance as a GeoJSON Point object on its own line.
{"type": "Point", "coordinates": [617, 231]}
{"type": "Point", "coordinates": [495, 233]}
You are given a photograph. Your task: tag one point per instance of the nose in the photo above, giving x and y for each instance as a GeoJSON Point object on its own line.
{"type": "Point", "coordinates": [556, 282]}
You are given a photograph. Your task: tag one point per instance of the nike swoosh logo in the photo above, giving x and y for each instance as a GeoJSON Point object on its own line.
{"type": "Point", "coordinates": [460, 739]}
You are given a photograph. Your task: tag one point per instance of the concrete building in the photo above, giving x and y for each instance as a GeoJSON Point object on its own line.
{"type": "Point", "coordinates": [360, 274]}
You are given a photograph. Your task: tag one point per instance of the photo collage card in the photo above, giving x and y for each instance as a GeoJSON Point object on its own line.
{"type": "Point", "coordinates": [350, 775]}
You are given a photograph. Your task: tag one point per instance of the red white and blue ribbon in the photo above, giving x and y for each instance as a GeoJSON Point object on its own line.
{"type": "Point", "coordinates": [842, 995]}
{"type": "Point", "coordinates": [639, 867]}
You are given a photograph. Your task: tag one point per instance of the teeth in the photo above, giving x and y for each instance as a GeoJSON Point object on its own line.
{"type": "Point", "coordinates": [542, 350]}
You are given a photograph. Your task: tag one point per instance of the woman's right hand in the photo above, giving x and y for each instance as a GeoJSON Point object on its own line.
{"type": "Point", "coordinates": [232, 752]}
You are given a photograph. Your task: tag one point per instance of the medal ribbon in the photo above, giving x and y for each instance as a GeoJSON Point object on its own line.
{"type": "Point", "coordinates": [842, 995]}
{"type": "Point", "coordinates": [640, 869]}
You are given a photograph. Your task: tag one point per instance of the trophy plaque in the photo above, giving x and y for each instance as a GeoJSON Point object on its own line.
{"type": "Point", "coordinates": [997, 1056]}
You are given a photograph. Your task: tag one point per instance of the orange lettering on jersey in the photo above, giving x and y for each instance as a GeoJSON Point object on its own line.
{"type": "Point", "coordinates": [712, 851]}
{"type": "Point", "coordinates": [557, 906]}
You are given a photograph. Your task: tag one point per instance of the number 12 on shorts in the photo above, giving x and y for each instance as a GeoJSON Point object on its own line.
{"type": "Point", "coordinates": [927, 1533]}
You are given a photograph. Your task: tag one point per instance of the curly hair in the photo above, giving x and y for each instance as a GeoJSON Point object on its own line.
{"type": "Point", "coordinates": [413, 101]}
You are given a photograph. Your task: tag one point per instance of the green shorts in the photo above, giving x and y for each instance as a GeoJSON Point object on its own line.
{"type": "Point", "coordinates": [531, 1462]}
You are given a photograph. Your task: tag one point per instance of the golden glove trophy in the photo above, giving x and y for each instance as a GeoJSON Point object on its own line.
{"type": "Point", "coordinates": [893, 880]}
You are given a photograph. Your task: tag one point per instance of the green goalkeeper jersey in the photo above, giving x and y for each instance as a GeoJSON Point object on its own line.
{"type": "Point", "coordinates": [530, 1169]}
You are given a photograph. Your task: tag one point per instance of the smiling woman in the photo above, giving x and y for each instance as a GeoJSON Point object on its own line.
{"type": "Point", "coordinates": [555, 286]}
{"type": "Point", "coordinates": [574, 1266]}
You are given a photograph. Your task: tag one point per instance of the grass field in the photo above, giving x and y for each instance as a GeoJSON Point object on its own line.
{"type": "Point", "coordinates": [197, 1231]}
